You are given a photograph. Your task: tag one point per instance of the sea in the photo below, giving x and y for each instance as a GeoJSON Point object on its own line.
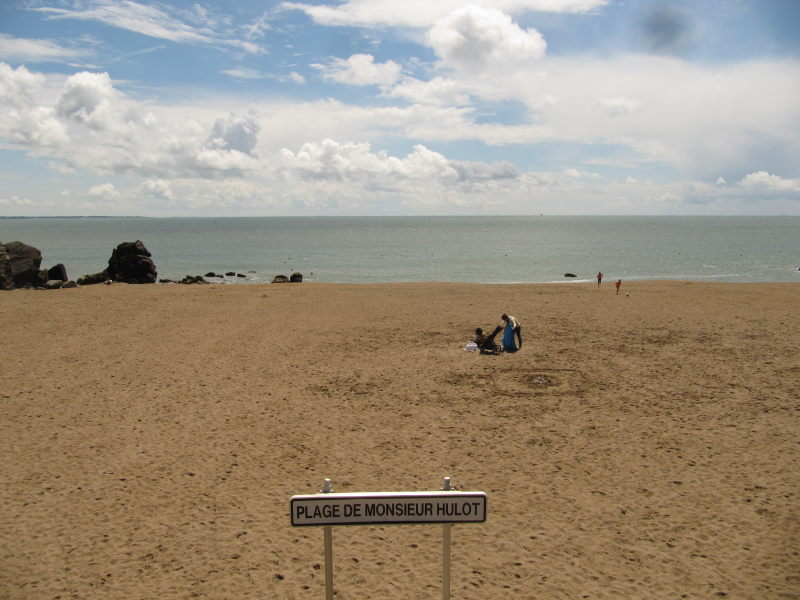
{"type": "Point", "coordinates": [478, 249]}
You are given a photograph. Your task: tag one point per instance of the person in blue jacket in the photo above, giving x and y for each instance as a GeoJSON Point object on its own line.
{"type": "Point", "coordinates": [511, 329]}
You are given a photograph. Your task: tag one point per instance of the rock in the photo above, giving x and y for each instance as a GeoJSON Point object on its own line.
{"type": "Point", "coordinates": [241, 275]}
{"type": "Point", "coordinates": [189, 279]}
{"type": "Point", "coordinates": [296, 277]}
{"type": "Point", "coordinates": [69, 284]}
{"type": "Point", "coordinates": [280, 279]}
{"type": "Point", "coordinates": [130, 263]}
{"type": "Point", "coordinates": [53, 284]}
{"type": "Point", "coordinates": [166, 281]}
{"type": "Point", "coordinates": [230, 274]}
{"type": "Point", "coordinates": [211, 274]}
{"type": "Point", "coordinates": [25, 262]}
{"type": "Point", "coordinates": [6, 279]}
{"type": "Point", "coordinates": [570, 275]}
{"type": "Point", "coordinates": [93, 279]}
{"type": "Point", "coordinates": [43, 278]}
{"type": "Point", "coordinates": [58, 272]}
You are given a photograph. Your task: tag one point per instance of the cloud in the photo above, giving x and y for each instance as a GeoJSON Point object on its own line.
{"type": "Point", "coordinates": [158, 190]}
{"type": "Point", "coordinates": [163, 22]}
{"type": "Point", "coordinates": [237, 132]}
{"type": "Point", "coordinates": [106, 191]}
{"type": "Point", "coordinates": [89, 125]}
{"type": "Point", "coordinates": [230, 156]}
{"type": "Point", "coordinates": [243, 73]}
{"type": "Point", "coordinates": [618, 107]}
{"type": "Point", "coordinates": [34, 51]}
{"type": "Point", "coordinates": [439, 90]}
{"type": "Point", "coordinates": [361, 69]}
{"type": "Point", "coordinates": [423, 13]}
{"type": "Point", "coordinates": [140, 18]}
{"type": "Point", "coordinates": [703, 120]}
{"type": "Point", "coordinates": [16, 201]}
{"type": "Point", "coordinates": [87, 98]}
{"type": "Point", "coordinates": [335, 161]}
{"type": "Point", "coordinates": [22, 120]}
{"type": "Point", "coordinates": [766, 181]}
{"type": "Point", "coordinates": [474, 38]}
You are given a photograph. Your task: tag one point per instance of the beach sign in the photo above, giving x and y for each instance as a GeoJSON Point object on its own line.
{"type": "Point", "coordinates": [389, 508]}
{"type": "Point", "coordinates": [446, 507]}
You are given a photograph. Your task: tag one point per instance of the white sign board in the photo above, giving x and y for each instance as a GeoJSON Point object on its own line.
{"type": "Point", "coordinates": [381, 508]}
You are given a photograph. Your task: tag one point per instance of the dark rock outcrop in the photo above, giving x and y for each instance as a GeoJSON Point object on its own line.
{"type": "Point", "coordinates": [570, 275]}
{"type": "Point", "coordinates": [41, 279]}
{"type": "Point", "coordinates": [6, 279]}
{"type": "Point", "coordinates": [130, 262]}
{"type": "Point", "coordinates": [280, 279]}
{"type": "Point", "coordinates": [69, 284]}
{"type": "Point", "coordinates": [25, 261]}
{"type": "Point", "coordinates": [189, 279]}
{"type": "Point", "coordinates": [101, 277]}
{"type": "Point", "coordinates": [53, 284]}
{"type": "Point", "coordinates": [57, 272]}
{"type": "Point", "coordinates": [296, 277]}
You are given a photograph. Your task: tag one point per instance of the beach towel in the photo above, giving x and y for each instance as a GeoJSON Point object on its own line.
{"type": "Point", "coordinates": [509, 342]}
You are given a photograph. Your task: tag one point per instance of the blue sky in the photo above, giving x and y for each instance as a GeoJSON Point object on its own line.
{"type": "Point", "coordinates": [380, 107]}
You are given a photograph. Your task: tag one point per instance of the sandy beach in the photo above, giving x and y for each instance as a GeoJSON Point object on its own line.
{"type": "Point", "coordinates": [640, 445]}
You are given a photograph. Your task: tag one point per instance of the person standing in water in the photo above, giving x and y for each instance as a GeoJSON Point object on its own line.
{"type": "Point", "coordinates": [599, 278]}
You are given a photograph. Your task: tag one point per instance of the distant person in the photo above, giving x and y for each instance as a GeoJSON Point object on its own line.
{"type": "Point", "coordinates": [511, 328]}
{"type": "Point", "coordinates": [618, 283]}
{"type": "Point", "coordinates": [599, 279]}
{"type": "Point", "coordinates": [485, 342]}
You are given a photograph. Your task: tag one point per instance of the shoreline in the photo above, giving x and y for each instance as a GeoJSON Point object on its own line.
{"type": "Point", "coordinates": [637, 446]}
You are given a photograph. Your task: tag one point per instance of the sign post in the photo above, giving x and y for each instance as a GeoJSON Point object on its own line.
{"type": "Point", "coordinates": [326, 489]}
{"type": "Point", "coordinates": [447, 507]}
{"type": "Point", "coordinates": [446, 551]}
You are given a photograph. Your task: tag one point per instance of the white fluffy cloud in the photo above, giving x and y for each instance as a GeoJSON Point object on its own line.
{"type": "Point", "coordinates": [439, 90]}
{"type": "Point", "coordinates": [94, 127]}
{"type": "Point", "coordinates": [106, 191]}
{"type": "Point", "coordinates": [290, 156]}
{"type": "Point", "coordinates": [87, 98]}
{"type": "Point", "coordinates": [336, 161]}
{"type": "Point", "coordinates": [767, 181]}
{"type": "Point", "coordinates": [706, 121]}
{"type": "Point", "coordinates": [476, 39]}
{"type": "Point", "coordinates": [22, 120]}
{"type": "Point", "coordinates": [361, 69]}
{"type": "Point", "coordinates": [423, 13]}
{"type": "Point", "coordinates": [159, 190]}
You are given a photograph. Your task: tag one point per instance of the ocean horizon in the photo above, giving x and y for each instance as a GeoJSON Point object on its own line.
{"type": "Point", "coordinates": [477, 249]}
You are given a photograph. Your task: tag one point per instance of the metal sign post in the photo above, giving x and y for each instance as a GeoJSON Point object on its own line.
{"type": "Point", "coordinates": [326, 489]}
{"type": "Point", "coordinates": [446, 550]}
{"type": "Point", "coordinates": [446, 507]}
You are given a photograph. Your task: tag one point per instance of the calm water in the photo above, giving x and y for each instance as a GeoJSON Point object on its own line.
{"type": "Point", "coordinates": [468, 249]}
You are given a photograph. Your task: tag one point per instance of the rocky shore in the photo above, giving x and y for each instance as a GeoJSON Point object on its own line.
{"type": "Point", "coordinates": [130, 262]}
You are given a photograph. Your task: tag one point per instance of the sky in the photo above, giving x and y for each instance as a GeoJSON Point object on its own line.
{"type": "Point", "coordinates": [390, 107]}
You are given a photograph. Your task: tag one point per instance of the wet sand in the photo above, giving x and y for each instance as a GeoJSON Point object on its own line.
{"type": "Point", "coordinates": [638, 446]}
